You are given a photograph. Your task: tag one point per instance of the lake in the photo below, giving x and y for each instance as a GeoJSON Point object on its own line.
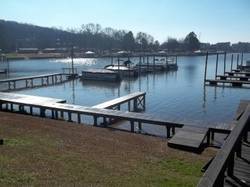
{"type": "Point", "coordinates": [176, 95]}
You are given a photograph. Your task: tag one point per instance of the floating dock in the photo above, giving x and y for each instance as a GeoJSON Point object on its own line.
{"type": "Point", "coordinates": [100, 75]}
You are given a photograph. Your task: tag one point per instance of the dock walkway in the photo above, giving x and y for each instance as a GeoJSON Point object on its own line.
{"type": "Point", "coordinates": [237, 83]}
{"type": "Point", "coordinates": [33, 81]}
{"type": "Point", "coordinates": [138, 99]}
{"type": "Point", "coordinates": [54, 109]}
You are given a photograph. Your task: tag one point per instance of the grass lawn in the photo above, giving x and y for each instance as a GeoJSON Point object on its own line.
{"type": "Point", "coordinates": [43, 152]}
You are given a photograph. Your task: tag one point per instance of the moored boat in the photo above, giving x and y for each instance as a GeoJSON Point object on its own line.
{"type": "Point", "coordinates": [100, 75]}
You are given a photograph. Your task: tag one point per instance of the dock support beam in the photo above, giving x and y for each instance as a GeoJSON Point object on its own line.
{"type": "Point", "coordinates": [225, 59]}
{"type": "Point", "coordinates": [205, 74]}
{"type": "Point", "coordinates": [232, 61]}
{"type": "Point", "coordinates": [216, 67]}
{"type": "Point", "coordinates": [132, 125]}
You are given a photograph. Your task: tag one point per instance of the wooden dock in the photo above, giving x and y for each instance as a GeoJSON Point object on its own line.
{"type": "Point", "coordinates": [190, 138]}
{"type": "Point", "coordinates": [235, 77]}
{"type": "Point", "coordinates": [33, 81]}
{"type": "Point", "coordinates": [10, 99]}
{"type": "Point", "coordinates": [230, 167]}
{"type": "Point", "coordinates": [236, 83]}
{"type": "Point", "coordinates": [242, 73]}
{"type": "Point", "coordinates": [105, 112]}
{"type": "Point", "coordinates": [65, 111]}
{"type": "Point", "coordinates": [137, 98]}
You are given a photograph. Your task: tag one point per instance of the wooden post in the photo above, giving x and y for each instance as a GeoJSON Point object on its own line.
{"type": "Point", "coordinates": [225, 59]}
{"type": "Point", "coordinates": [129, 108]}
{"type": "Point", "coordinates": [238, 60]}
{"type": "Point", "coordinates": [31, 110]}
{"type": "Point", "coordinates": [132, 124]}
{"type": "Point", "coordinates": [208, 137]}
{"type": "Point", "coordinates": [216, 66]}
{"type": "Point", "coordinates": [242, 59]}
{"type": "Point", "coordinates": [205, 74]}
{"type": "Point", "coordinates": [135, 104]}
{"type": "Point", "coordinates": [118, 64]}
{"type": "Point", "coordinates": [168, 131]}
{"type": "Point", "coordinates": [154, 63]}
{"type": "Point", "coordinates": [147, 63]}
{"type": "Point", "coordinates": [173, 130]}
{"type": "Point", "coordinates": [230, 169]}
{"type": "Point", "coordinates": [144, 102]}
{"type": "Point", "coordinates": [239, 149]}
{"type": "Point", "coordinates": [140, 65]}
{"type": "Point", "coordinates": [79, 118]}
{"type": "Point", "coordinates": [232, 61]}
{"type": "Point", "coordinates": [69, 117]}
{"type": "Point", "coordinates": [56, 114]}
{"type": "Point", "coordinates": [104, 121]}
{"type": "Point", "coordinates": [62, 114]}
{"type": "Point", "coordinates": [53, 114]}
{"type": "Point", "coordinates": [26, 83]}
{"type": "Point", "coordinates": [42, 112]}
{"type": "Point", "coordinates": [72, 59]}
{"type": "Point", "coordinates": [139, 126]}
{"type": "Point", "coordinates": [95, 120]}
{"type": "Point", "coordinates": [53, 79]}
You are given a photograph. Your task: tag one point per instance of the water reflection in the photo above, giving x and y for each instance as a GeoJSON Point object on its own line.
{"type": "Point", "coordinates": [175, 95]}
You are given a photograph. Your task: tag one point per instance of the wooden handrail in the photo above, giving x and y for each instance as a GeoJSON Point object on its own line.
{"type": "Point", "coordinates": [214, 176]}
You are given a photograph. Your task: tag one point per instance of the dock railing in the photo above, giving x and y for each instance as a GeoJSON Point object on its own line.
{"type": "Point", "coordinates": [223, 163]}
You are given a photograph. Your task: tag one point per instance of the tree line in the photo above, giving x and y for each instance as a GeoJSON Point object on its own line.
{"type": "Point", "coordinates": [15, 35]}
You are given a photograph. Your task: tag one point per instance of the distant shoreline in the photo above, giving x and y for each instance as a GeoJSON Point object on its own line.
{"type": "Point", "coordinates": [24, 56]}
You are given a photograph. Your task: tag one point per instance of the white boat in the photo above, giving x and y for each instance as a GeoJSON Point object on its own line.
{"type": "Point", "coordinates": [100, 75]}
{"type": "Point", "coordinates": [125, 69]}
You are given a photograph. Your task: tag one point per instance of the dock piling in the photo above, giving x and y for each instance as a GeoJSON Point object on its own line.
{"type": "Point", "coordinates": [232, 61]}
{"type": "Point", "coordinates": [225, 59]}
{"type": "Point", "coordinates": [205, 74]}
{"type": "Point", "coordinates": [216, 66]}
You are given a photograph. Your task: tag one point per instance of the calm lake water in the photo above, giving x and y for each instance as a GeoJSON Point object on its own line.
{"type": "Point", "coordinates": [177, 95]}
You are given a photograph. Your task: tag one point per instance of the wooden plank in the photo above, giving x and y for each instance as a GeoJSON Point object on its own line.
{"type": "Point", "coordinates": [120, 100]}
{"type": "Point", "coordinates": [227, 81]}
{"type": "Point", "coordinates": [51, 105]}
{"type": "Point", "coordinates": [238, 73]}
{"type": "Point", "coordinates": [215, 172]}
{"type": "Point", "coordinates": [27, 99]}
{"type": "Point", "coordinates": [189, 138]}
{"type": "Point", "coordinates": [29, 77]}
{"type": "Point", "coordinates": [241, 108]}
{"type": "Point", "coordinates": [241, 168]}
{"type": "Point", "coordinates": [233, 77]}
